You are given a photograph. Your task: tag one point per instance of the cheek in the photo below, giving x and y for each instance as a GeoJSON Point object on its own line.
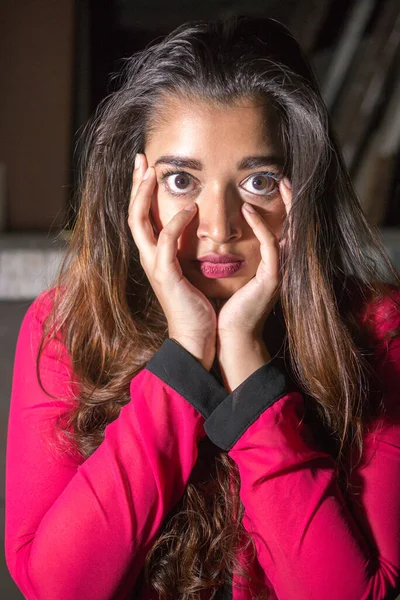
{"type": "Point", "coordinates": [160, 214]}
{"type": "Point", "coordinates": [156, 220]}
{"type": "Point", "coordinates": [275, 218]}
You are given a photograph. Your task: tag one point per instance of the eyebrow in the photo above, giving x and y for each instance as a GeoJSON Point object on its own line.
{"type": "Point", "coordinates": [248, 162]}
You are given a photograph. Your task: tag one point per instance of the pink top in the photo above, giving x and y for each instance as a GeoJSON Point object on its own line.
{"type": "Point", "coordinates": [81, 529]}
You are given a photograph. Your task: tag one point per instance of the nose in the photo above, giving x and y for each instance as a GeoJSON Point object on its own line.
{"type": "Point", "coordinates": [220, 217]}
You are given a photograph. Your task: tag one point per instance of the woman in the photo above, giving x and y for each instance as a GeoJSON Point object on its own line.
{"type": "Point", "coordinates": [181, 428]}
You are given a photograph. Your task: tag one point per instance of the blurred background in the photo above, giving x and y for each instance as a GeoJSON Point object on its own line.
{"type": "Point", "coordinates": [56, 64]}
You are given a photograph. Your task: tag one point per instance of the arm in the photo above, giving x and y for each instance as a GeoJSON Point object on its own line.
{"type": "Point", "coordinates": [239, 357]}
{"type": "Point", "coordinates": [80, 529]}
{"type": "Point", "coordinates": [311, 543]}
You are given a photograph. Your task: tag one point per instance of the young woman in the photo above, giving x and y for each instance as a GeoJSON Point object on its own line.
{"type": "Point", "coordinates": [191, 427]}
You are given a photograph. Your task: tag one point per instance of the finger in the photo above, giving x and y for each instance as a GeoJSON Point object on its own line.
{"type": "Point", "coordinates": [268, 241]}
{"type": "Point", "coordinates": [167, 247]}
{"type": "Point", "coordinates": [286, 195]}
{"type": "Point", "coordinates": [139, 220]}
{"type": "Point", "coordinates": [137, 176]}
{"type": "Point", "coordinates": [285, 188]}
{"type": "Point", "coordinates": [259, 226]}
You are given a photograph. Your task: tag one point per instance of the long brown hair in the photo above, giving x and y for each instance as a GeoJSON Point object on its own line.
{"type": "Point", "coordinates": [334, 264]}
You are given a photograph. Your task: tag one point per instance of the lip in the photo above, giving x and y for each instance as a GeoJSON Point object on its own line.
{"type": "Point", "coordinates": [219, 270]}
{"type": "Point", "coordinates": [220, 258]}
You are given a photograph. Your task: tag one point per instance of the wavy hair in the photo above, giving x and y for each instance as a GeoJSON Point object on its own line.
{"type": "Point", "coordinates": [334, 264]}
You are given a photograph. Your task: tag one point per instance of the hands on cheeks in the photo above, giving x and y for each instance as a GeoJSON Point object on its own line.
{"type": "Point", "coordinates": [245, 312]}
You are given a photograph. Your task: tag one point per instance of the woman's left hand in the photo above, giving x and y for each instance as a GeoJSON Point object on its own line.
{"type": "Point", "coordinates": [245, 312]}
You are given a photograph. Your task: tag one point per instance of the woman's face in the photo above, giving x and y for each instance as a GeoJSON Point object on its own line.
{"type": "Point", "coordinates": [218, 140]}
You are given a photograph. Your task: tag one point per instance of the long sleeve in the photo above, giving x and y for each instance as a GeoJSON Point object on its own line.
{"type": "Point", "coordinates": [310, 542]}
{"type": "Point", "coordinates": [80, 529]}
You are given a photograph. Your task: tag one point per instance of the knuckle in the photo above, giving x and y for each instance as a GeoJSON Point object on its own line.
{"type": "Point", "coordinates": [166, 233]}
{"type": "Point", "coordinates": [158, 276]}
{"type": "Point", "coordinates": [133, 233]}
{"type": "Point", "coordinates": [143, 263]}
{"type": "Point", "coordinates": [145, 183]}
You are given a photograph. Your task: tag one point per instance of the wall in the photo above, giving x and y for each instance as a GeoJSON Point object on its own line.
{"type": "Point", "coordinates": [36, 69]}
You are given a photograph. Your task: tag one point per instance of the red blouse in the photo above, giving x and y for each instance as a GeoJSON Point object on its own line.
{"type": "Point", "coordinates": [81, 529]}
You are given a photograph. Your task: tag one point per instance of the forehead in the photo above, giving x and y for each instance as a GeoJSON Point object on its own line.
{"type": "Point", "coordinates": [245, 124]}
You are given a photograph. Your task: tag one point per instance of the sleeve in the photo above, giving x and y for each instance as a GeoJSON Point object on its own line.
{"type": "Point", "coordinates": [81, 529]}
{"type": "Point", "coordinates": [310, 542]}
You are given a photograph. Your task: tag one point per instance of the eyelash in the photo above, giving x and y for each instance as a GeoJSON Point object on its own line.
{"type": "Point", "coordinates": [166, 174]}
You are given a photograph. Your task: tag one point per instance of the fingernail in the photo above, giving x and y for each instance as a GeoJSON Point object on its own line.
{"type": "Point", "coordinates": [189, 207]}
{"type": "Point", "coordinates": [137, 161]}
{"type": "Point", "coordinates": [147, 174]}
{"type": "Point", "coordinates": [287, 182]}
{"type": "Point", "coordinates": [248, 207]}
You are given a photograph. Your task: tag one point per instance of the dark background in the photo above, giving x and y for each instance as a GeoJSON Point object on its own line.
{"type": "Point", "coordinates": [57, 60]}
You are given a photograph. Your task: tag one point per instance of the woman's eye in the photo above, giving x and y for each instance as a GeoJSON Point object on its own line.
{"type": "Point", "coordinates": [180, 183]}
{"type": "Point", "coordinates": [263, 184]}
{"type": "Point", "coordinates": [176, 182]}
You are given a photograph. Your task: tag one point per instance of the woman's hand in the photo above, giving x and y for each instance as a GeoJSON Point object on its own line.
{"type": "Point", "coordinates": [191, 317]}
{"type": "Point", "coordinates": [245, 312]}
{"type": "Point", "coordinates": [240, 347]}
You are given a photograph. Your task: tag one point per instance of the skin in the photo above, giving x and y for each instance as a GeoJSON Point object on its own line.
{"type": "Point", "coordinates": [220, 138]}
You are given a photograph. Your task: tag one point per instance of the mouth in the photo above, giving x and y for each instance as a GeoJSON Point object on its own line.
{"type": "Point", "coordinates": [220, 258]}
{"type": "Point", "coordinates": [218, 270]}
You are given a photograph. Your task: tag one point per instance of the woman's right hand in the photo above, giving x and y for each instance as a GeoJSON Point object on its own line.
{"type": "Point", "coordinates": [191, 318]}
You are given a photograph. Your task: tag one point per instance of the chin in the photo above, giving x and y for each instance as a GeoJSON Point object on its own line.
{"type": "Point", "coordinates": [221, 288]}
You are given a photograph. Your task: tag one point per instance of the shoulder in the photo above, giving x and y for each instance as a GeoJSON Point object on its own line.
{"type": "Point", "coordinates": [42, 305]}
{"type": "Point", "coordinates": [381, 316]}
{"type": "Point", "coordinates": [32, 330]}
{"type": "Point", "coordinates": [39, 310]}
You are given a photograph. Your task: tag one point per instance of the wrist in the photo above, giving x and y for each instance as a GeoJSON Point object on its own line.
{"type": "Point", "coordinates": [239, 357]}
{"type": "Point", "coordinates": [235, 344]}
{"type": "Point", "coordinates": [204, 355]}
